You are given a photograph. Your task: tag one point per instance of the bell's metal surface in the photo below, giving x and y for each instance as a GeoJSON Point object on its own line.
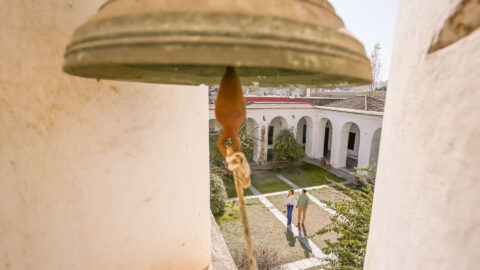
{"type": "Point", "coordinates": [277, 43]}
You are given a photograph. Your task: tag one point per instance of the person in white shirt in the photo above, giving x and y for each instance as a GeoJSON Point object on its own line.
{"type": "Point", "coordinates": [290, 202]}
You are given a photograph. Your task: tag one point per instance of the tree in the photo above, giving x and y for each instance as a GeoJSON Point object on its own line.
{"type": "Point", "coordinates": [351, 223]}
{"type": "Point", "coordinates": [218, 195]}
{"type": "Point", "coordinates": [217, 160]}
{"type": "Point", "coordinates": [286, 148]}
{"type": "Point", "coordinates": [376, 65]}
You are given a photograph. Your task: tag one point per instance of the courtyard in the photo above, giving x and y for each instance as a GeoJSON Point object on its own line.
{"type": "Point", "coordinates": [294, 247]}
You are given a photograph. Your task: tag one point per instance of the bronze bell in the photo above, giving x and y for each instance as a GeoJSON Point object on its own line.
{"type": "Point", "coordinates": [275, 43]}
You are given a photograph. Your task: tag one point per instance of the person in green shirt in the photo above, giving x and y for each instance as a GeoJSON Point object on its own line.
{"type": "Point", "coordinates": [302, 205]}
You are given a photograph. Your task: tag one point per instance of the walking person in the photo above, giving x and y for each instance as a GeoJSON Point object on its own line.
{"type": "Point", "coordinates": [290, 202]}
{"type": "Point", "coordinates": [302, 205]}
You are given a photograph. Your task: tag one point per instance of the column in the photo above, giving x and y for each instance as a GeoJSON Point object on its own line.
{"type": "Point", "coordinates": [262, 143]}
{"type": "Point", "coordinates": [365, 149]}
{"type": "Point", "coordinates": [319, 138]}
{"type": "Point", "coordinates": [312, 139]}
{"type": "Point", "coordinates": [338, 155]}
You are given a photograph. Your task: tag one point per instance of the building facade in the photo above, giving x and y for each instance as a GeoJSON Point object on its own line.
{"type": "Point", "coordinates": [341, 132]}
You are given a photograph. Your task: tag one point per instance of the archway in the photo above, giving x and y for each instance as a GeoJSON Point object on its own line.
{"type": "Point", "coordinates": [278, 123]}
{"type": "Point", "coordinates": [346, 146]}
{"type": "Point", "coordinates": [304, 134]}
{"type": "Point", "coordinates": [353, 145]}
{"type": "Point", "coordinates": [325, 143]}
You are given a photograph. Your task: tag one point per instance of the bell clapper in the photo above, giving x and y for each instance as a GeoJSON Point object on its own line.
{"type": "Point", "coordinates": [230, 112]}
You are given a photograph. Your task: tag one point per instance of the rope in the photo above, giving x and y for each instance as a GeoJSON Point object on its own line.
{"type": "Point", "coordinates": [238, 164]}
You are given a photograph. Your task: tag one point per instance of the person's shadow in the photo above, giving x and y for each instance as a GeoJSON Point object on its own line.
{"type": "Point", "coordinates": [303, 238]}
{"type": "Point", "coordinates": [290, 237]}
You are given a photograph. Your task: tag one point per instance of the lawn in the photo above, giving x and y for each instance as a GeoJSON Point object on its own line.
{"type": "Point", "coordinates": [266, 230]}
{"type": "Point", "coordinates": [231, 191]}
{"type": "Point", "coordinates": [267, 181]}
{"type": "Point", "coordinates": [317, 218]}
{"type": "Point", "coordinates": [307, 175]}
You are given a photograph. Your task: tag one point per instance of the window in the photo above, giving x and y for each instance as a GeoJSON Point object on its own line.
{"type": "Point", "coordinates": [351, 141]}
{"type": "Point", "coordinates": [270, 135]}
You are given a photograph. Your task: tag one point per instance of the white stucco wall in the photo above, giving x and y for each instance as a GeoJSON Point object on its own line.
{"type": "Point", "coordinates": [94, 175]}
{"type": "Point", "coordinates": [427, 197]}
{"type": "Point", "coordinates": [316, 118]}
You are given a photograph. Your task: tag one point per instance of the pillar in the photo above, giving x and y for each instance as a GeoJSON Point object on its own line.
{"type": "Point", "coordinates": [365, 148]}
{"type": "Point", "coordinates": [312, 139]}
{"type": "Point", "coordinates": [338, 154]}
{"type": "Point", "coordinates": [426, 205]}
{"type": "Point", "coordinates": [262, 143]}
{"type": "Point", "coordinates": [95, 174]}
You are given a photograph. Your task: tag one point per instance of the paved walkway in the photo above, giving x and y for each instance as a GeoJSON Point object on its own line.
{"type": "Point", "coordinates": [288, 182]}
{"type": "Point", "coordinates": [254, 190]}
{"type": "Point", "coordinates": [283, 192]}
{"type": "Point", "coordinates": [302, 264]}
{"type": "Point", "coordinates": [313, 199]}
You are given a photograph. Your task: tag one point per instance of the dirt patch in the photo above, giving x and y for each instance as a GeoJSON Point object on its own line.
{"type": "Point", "coordinates": [266, 231]}
{"type": "Point", "coordinates": [317, 219]}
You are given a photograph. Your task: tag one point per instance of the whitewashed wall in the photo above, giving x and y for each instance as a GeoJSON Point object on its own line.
{"type": "Point", "coordinates": [94, 175]}
{"type": "Point", "coordinates": [426, 205]}
{"type": "Point", "coordinates": [315, 117]}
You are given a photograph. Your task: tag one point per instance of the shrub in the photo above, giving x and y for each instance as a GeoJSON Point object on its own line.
{"type": "Point", "coordinates": [232, 212]}
{"type": "Point", "coordinates": [267, 258]}
{"type": "Point", "coordinates": [218, 195]}
{"type": "Point", "coordinates": [286, 148]}
{"type": "Point", "coordinates": [248, 142]}
{"type": "Point", "coordinates": [351, 223]}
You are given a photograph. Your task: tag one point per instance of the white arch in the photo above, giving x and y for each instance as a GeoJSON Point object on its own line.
{"type": "Point", "coordinates": [324, 144]}
{"type": "Point", "coordinates": [276, 124]}
{"type": "Point", "coordinates": [340, 151]}
{"type": "Point", "coordinates": [304, 134]}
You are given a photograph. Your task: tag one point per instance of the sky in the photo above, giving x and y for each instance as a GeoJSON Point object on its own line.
{"type": "Point", "coordinates": [370, 21]}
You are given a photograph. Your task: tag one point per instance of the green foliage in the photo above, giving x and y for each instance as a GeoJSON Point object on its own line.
{"type": "Point", "coordinates": [286, 148]}
{"type": "Point", "coordinates": [232, 212]}
{"type": "Point", "coordinates": [218, 195]}
{"type": "Point", "coordinates": [351, 223]}
{"type": "Point", "coordinates": [217, 160]}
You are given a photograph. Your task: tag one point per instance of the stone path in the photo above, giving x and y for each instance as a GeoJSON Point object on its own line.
{"type": "Point", "coordinates": [288, 182]}
{"type": "Point", "coordinates": [283, 192]}
{"type": "Point", "coordinates": [302, 264]}
{"type": "Point", "coordinates": [254, 190]}
{"type": "Point", "coordinates": [313, 199]}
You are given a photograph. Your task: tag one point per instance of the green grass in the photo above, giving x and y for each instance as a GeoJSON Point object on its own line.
{"type": "Point", "coordinates": [231, 191]}
{"type": "Point", "coordinates": [267, 181]}
{"type": "Point", "coordinates": [307, 175]}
